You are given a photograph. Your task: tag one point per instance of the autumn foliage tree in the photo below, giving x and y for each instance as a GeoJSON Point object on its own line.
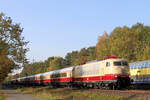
{"type": "Point", "coordinates": [56, 63]}
{"type": "Point", "coordinates": [102, 47]}
{"type": "Point", "coordinates": [132, 43]}
{"type": "Point", "coordinates": [12, 46]}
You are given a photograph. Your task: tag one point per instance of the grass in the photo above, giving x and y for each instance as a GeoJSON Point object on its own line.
{"type": "Point", "coordinates": [65, 94]}
{"type": "Point", "coordinates": [47, 97]}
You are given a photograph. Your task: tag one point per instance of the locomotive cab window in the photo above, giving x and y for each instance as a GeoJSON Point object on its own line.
{"type": "Point", "coordinates": [120, 63]}
{"type": "Point", "coordinates": [107, 64]}
{"type": "Point", "coordinates": [124, 63]}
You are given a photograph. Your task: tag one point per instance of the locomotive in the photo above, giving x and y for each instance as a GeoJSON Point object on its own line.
{"type": "Point", "coordinates": [111, 72]}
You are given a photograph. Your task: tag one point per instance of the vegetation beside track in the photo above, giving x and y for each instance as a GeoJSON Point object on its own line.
{"type": "Point", "coordinates": [2, 96]}
{"type": "Point", "coordinates": [67, 94]}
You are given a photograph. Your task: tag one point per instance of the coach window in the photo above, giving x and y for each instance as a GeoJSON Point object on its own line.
{"type": "Point", "coordinates": [133, 66]}
{"type": "Point", "coordinates": [147, 64]}
{"type": "Point", "coordinates": [63, 75]}
{"type": "Point", "coordinates": [107, 64]}
{"type": "Point", "coordinates": [143, 65]}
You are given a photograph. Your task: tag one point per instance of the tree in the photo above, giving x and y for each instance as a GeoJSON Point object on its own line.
{"type": "Point", "coordinates": [91, 53]}
{"type": "Point", "coordinates": [5, 65]}
{"type": "Point", "coordinates": [102, 47]}
{"type": "Point", "coordinates": [71, 59]}
{"type": "Point", "coordinates": [12, 46]}
{"type": "Point", "coordinates": [56, 63]}
{"type": "Point", "coordinates": [123, 42]}
{"type": "Point", "coordinates": [132, 43]}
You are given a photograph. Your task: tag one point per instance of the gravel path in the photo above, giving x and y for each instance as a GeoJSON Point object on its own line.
{"type": "Point", "coordinates": [14, 95]}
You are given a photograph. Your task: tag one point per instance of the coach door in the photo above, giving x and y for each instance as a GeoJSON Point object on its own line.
{"type": "Point", "coordinates": [138, 78]}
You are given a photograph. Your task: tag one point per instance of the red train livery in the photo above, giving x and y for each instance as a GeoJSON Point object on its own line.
{"type": "Point", "coordinates": [111, 72]}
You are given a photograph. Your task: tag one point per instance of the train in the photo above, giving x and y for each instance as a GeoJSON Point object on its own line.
{"type": "Point", "coordinates": [112, 72]}
{"type": "Point", "coordinates": [140, 72]}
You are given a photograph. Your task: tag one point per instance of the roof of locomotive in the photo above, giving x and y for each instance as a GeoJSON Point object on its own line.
{"type": "Point", "coordinates": [113, 57]}
{"type": "Point", "coordinates": [93, 61]}
{"type": "Point", "coordinates": [105, 60]}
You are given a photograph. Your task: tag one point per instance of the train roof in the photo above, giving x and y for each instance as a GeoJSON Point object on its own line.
{"type": "Point", "coordinates": [30, 76]}
{"type": "Point", "coordinates": [21, 78]}
{"type": "Point", "coordinates": [106, 58]}
{"type": "Point", "coordinates": [38, 74]}
{"type": "Point", "coordinates": [44, 73]}
{"type": "Point", "coordinates": [63, 70]}
{"type": "Point", "coordinates": [140, 64]}
{"type": "Point", "coordinates": [56, 71]}
{"type": "Point", "coordinates": [13, 79]}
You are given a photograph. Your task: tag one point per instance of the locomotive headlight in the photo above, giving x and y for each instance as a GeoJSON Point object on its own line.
{"type": "Point", "coordinates": [116, 76]}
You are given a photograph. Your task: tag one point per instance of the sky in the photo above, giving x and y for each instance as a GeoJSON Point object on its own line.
{"type": "Point", "coordinates": [56, 27]}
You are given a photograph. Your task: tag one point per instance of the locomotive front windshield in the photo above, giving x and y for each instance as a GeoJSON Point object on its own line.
{"type": "Point", "coordinates": [121, 63]}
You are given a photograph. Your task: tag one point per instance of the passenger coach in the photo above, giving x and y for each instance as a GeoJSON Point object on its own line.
{"type": "Point", "coordinates": [140, 72]}
{"type": "Point", "coordinates": [62, 77]}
